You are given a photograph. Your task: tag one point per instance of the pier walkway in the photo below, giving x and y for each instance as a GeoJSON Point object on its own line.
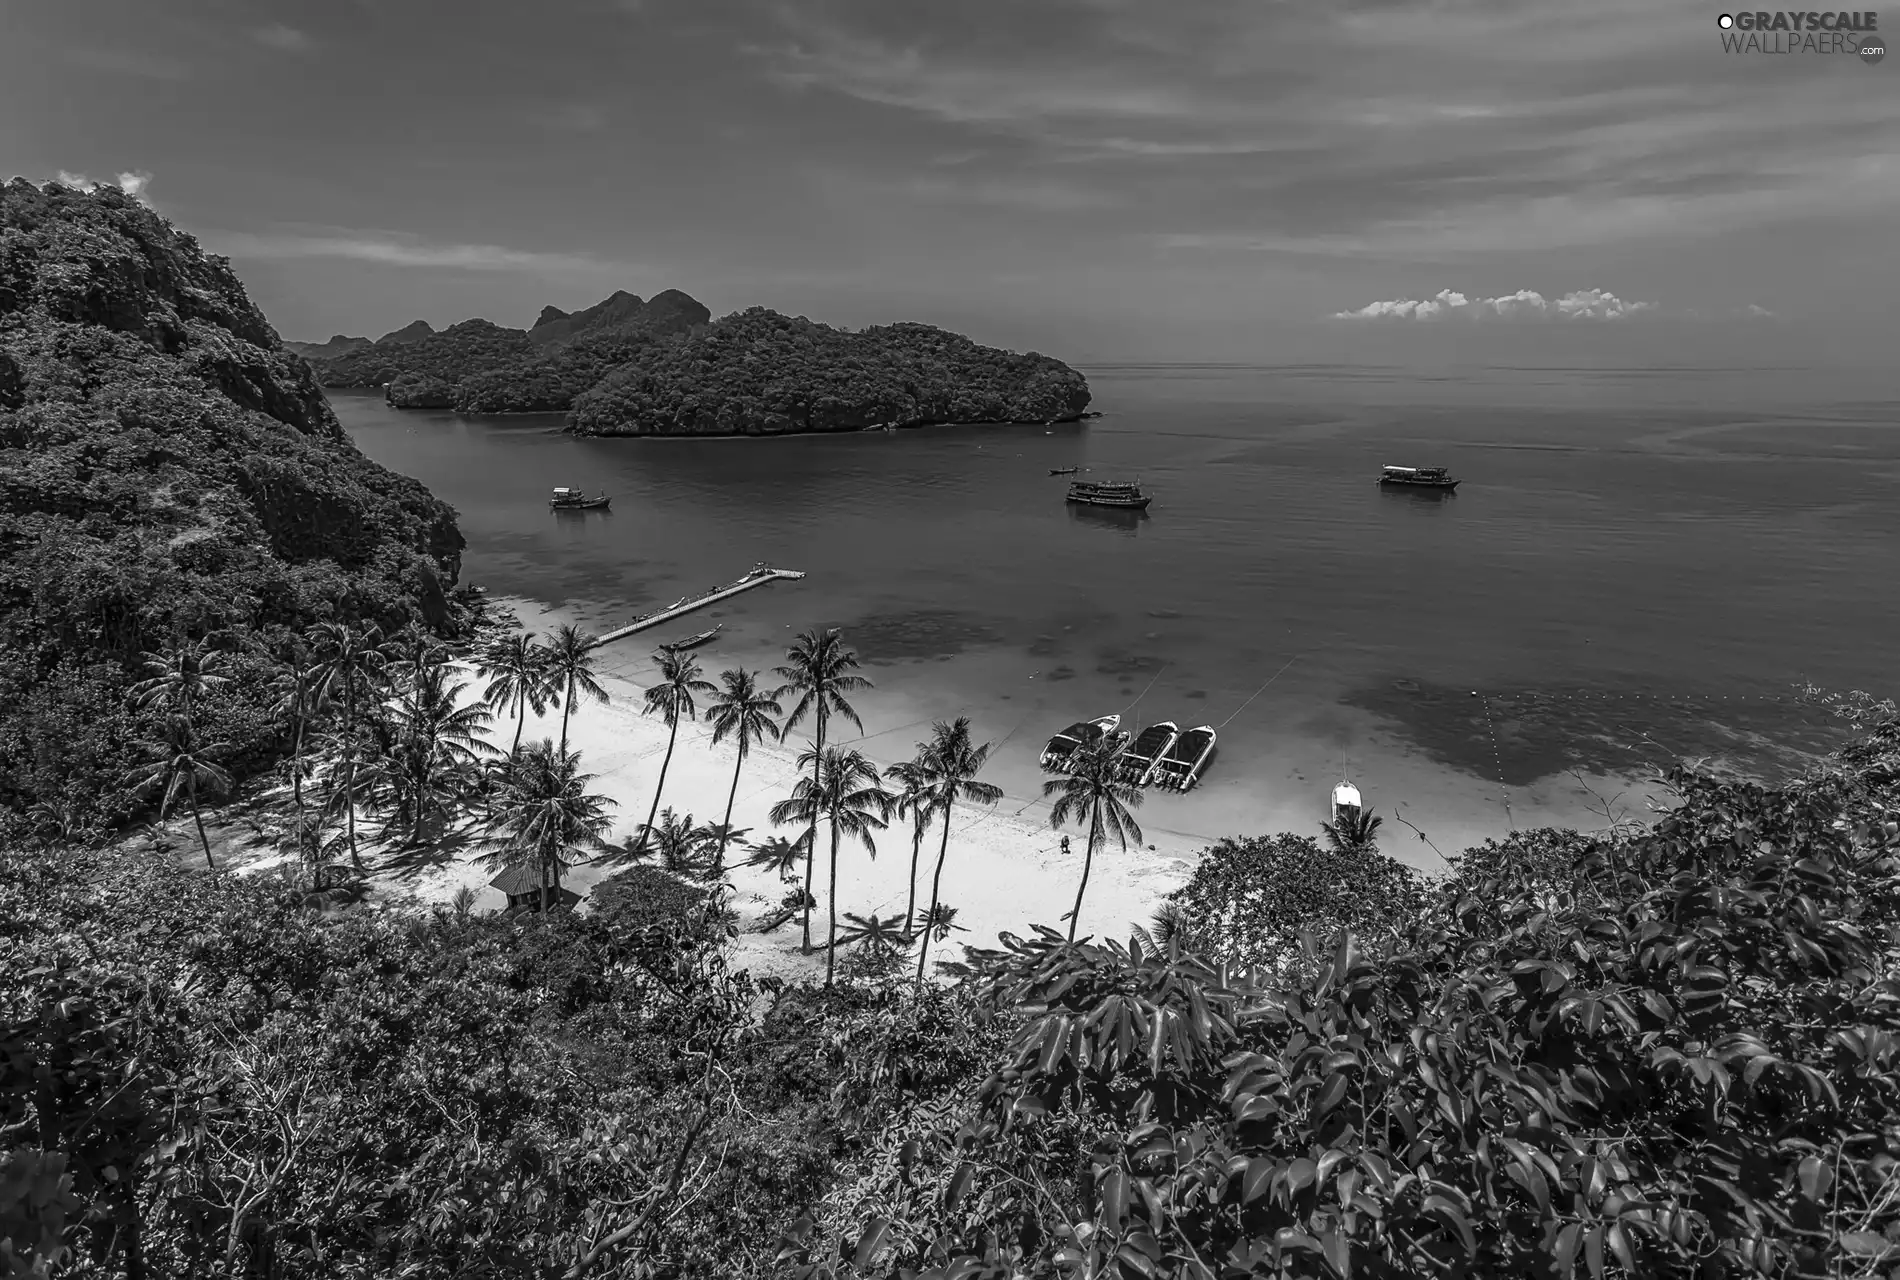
{"type": "Point", "coordinates": [759, 576]}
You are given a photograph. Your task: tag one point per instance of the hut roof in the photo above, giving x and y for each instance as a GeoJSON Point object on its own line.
{"type": "Point", "coordinates": [522, 877]}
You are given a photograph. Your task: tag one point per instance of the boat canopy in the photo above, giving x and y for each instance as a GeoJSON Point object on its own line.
{"type": "Point", "coordinates": [1347, 795]}
{"type": "Point", "coordinates": [563, 491]}
{"type": "Point", "coordinates": [1415, 471]}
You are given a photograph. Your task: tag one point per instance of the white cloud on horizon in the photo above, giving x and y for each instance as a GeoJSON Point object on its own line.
{"type": "Point", "coordinates": [401, 251]}
{"type": "Point", "coordinates": [132, 182]}
{"type": "Point", "coordinates": [1581, 304]}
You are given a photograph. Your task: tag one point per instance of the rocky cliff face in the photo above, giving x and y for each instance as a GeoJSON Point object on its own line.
{"type": "Point", "coordinates": [338, 345]}
{"type": "Point", "coordinates": [167, 468]}
{"type": "Point", "coordinates": [669, 311]}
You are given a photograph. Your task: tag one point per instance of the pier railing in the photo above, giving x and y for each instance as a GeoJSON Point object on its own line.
{"type": "Point", "coordinates": [760, 575]}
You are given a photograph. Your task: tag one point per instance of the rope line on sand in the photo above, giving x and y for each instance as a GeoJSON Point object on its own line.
{"type": "Point", "coordinates": [1129, 709]}
{"type": "Point", "coordinates": [1262, 689]}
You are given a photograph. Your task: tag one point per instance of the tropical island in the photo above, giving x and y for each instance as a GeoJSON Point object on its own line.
{"type": "Point", "coordinates": [256, 1024]}
{"type": "Point", "coordinates": [663, 367]}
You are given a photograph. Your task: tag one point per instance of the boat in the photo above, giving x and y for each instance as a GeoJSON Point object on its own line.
{"type": "Point", "coordinates": [1152, 743]}
{"type": "Point", "coordinates": [1108, 494]}
{"type": "Point", "coordinates": [1063, 471]}
{"type": "Point", "coordinates": [1418, 477]}
{"type": "Point", "coordinates": [1346, 802]}
{"type": "Point", "coordinates": [1181, 768]}
{"type": "Point", "coordinates": [693, 642]}
{"type": "Point", "coordinates": [566, 499]}
{"type": "Point", "coordinates": [1083, 733]}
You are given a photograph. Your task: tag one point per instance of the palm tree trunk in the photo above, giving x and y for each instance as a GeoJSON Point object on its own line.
{"type": "Point", "coordinates": [191, 793]}
{"type": "Point", "coordinates": [831, 939]}
{"type": "Point", "coordinates": [567, 705]}
{"type": "Point", "coordinates": [935, 880]}
{"type": "Point", "coordinates": [916, 843]}
{"type": "Point", "coordinates": [672, 734]}
{"type": "Point", "coordinates": [1088, 861]}
{"type": "Point", "coordinates": [296, 758]}
{"type": "Point", "coordinates": [811, 835]}
{"type": "Point", "coordinates": [725, 828]}
{"type": "Point", "coordinates": [521, 718]}
{"type": "Point", "coordinates": [546, 870]}
{"type": "Point", "coordinates": [349, 804]}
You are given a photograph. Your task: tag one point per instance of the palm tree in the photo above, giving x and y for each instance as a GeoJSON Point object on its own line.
{"type": "Point", "coordinates": [296, 706]}
{"type": "Point", "coordinates": [740, 708]}
{"type": "Point", "coordinates": [884, 939]}
{"type": "Point", "coordinates": [1357, 832]}
{"type": "Point", "coordinates": [359, 775]}
{"type": "Point", "coordinates": [1169, 924]}
{"type": "Point", "coordinates": [818, 669]}
{"type": "Point", "coordinates": [348, 662]}
{"type": "Point", "coordinates": [672, 697]}
{"type": "Point", "coordinates": [676, 841]}
{"type": "Point", "coordinates": [439, 744]}
{"type": "Point", "coordinates": [414, 653]}
{"type": "Point", "coordinates": [780, 854]}
{"type": "Point", "coordinates": [516, 669]}
{"type": "Point", "coordinates": [916, 800]}
{"type": "Point", "coordinates": [1091, 788]}
{"type": "Point", "coordinates": [844, 788]}
{"type": "Point", "coordinates": [178, 677]}
{"type": "Point", "coordinates": [545, 813]}
{"type": "Point", "coordinates": [954, 763]}
{"type": "Point", "coordinates": [179, 763]}
{"type": "Point", "coordinates": [570, 666]}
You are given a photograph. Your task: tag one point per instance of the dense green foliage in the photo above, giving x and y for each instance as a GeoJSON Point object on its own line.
{"type": "Point", "coordinates": [758, 373]}
{"type": "Point", "coordinates": [1692, 1070]}
{"type": "Point", "coordinates": [549, 381]}
{"type": "Point", "coordinates": [166, 469]}
{"type": "Point", "coordinates": [458, 352]}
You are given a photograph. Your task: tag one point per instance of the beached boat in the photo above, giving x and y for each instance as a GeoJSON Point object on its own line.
{"type": "Point", "coordinates": [566, 499]}
{"type": "Point", "coordinates": [1417, 477]}
{"type": "Point", "coordinates": [1108, 494]}
{"type": "Point", "coordinates": [1346, 802]}
{"type": "Point", "coordinates": [1083, 733]}
{"type": "Point", "coordinates": [693, 642]}
{"type": "Point", "coordinates": [1063, 471]}
{"type": "Point", "coordinates": [1181, 768]}
{"type": "Point", "coordinates": [1149, 746]}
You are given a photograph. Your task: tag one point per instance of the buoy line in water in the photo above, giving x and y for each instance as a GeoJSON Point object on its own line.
{"type": "Point", "coordinates": [1262, 689]}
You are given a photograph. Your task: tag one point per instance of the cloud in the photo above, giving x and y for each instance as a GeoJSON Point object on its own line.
{"type": "Point", "coordinates": [282, 38]}
{"type": "Point", "coordinates": [1757, 312]}
{"type": "Point", "coordinates": [395, 250]}
{"type": "Point", "coordinates": [1583, 304]}
{"type": "Point", "coordinates": [133, 183]}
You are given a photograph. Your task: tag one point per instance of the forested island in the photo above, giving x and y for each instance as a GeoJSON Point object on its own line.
{"type": "Point", "coordinates": [1663, 1049]}
{"type": "Point", "coordinates": [664, 367]}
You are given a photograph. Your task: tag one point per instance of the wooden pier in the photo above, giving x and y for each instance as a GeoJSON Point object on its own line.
{"type": "Point", "coordinates": [757, 578]}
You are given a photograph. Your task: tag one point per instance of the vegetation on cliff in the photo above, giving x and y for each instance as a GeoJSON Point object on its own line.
{"type": "Point", "coordinates": [167, 471]}
{"type": "Point", "coordinates": [458, 352]}
{"type": "Point", "coordinates": [761, 373]}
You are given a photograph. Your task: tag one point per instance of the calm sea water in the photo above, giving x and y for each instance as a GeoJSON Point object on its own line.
{"type": "Point", "coordinates": [1638, 565]}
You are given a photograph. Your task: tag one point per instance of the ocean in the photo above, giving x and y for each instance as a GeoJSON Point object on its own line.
{"type": "Point", "coordinates": [1638, 568]}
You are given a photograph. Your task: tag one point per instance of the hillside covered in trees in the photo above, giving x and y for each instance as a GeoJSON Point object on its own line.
{"type": "Point", "coordinates": [166, 468]}
{"type": "Point", "coordinates": [480, 367]}
{"type": "Point", "coordinates": [761, 373]}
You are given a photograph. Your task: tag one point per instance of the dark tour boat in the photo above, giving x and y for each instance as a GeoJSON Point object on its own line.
{"type": "Point", "coordinates": [1106, 494]}
{"type": "Point", "coordinates": [566, 499]}
{"type": "Point", "coordinates": [1063, 471]}
{"type": "Point", "coordinates": [1084, 733]}
{"type": "Point", "coordinates": [1150, 745]}
{"type": "Point", "coordinates": [1418, 477]}
{"type": "Point", "coordinates": [1181, 768]}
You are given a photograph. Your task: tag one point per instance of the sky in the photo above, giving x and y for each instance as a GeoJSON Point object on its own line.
{"type": "Point", "coordinates": [1275, 181]}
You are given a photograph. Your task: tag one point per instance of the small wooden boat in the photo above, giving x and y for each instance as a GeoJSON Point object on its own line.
{"type": "Point", "coordinates": [1063, 471]}
{"type": "Point", "coordinates": [1150, 745]}
{"type": "Point", "coordinates": [566, 499]}
{"type": "Point", "coordinates": [1346, 802]}
{"type": "Point", "coordinates": [1108, 494]}
{"type": "Point", "coordinates": [1417, 478]}
{"type": "Point", "coordinates": [1181, 768]}
{"type": "Point", "coordinates": [1083, 733]}
{"type": "Point", "coordinates": [692, 642]}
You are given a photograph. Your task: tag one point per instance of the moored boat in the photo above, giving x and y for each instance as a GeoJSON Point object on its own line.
{"type": "Point", "coordinates": [693, 642]}
{"type": "Point", "coordinates": [1346, 802]}
{"type": "Point", "coordinates": [1063, 471]}
{"type": "Point", "coordinates": [1108, 494]}
{"type": "Point", "coordinates": [1083, 733]}
{"type": "Point", "coordinates": [1149, 746]}
{"type": "Point", "coordinates": [566, 499]}
{"type": "Point", "coordinates": [1418, 477]}
{"type": "Point", "coordinates": [1181, 768]}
